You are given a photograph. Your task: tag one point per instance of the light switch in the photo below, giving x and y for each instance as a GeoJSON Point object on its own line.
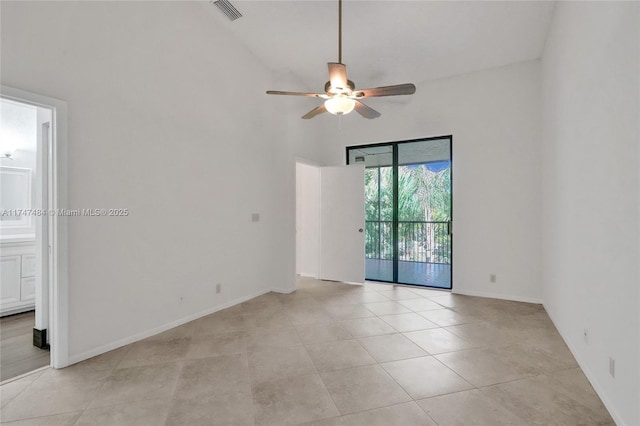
{"type": "Point", "coordinates": [255, 217]}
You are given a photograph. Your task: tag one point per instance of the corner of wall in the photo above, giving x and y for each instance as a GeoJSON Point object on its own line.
{"type": "Point", "coordinates": [584, 366]}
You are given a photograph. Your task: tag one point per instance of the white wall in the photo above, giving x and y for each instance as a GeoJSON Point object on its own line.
{"type": "Point", "coordinates": [299, 140]}
{"type": "Point", "coordinates": [158, 125]}
{"type": "Point", "coordinates": [493, 116]}
{"type": "Point", "coordinates": [308, 219]}
{"type": "Point", "coordinates": [591, 193]}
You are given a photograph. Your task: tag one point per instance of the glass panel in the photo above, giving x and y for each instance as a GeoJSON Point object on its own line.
{"type": "Point", "coordinates": [424, 211]}
{"type": "Point", "coordinates": [378, 220]}
{"type": "Point", "coordinates": [423, 245]}
{"type": "Point", "coordinates": [431, 151]}
{"type": "Point", "coordinates": [374, 156]}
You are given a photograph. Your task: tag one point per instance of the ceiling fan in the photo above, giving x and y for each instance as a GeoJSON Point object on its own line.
{"type": "Point", "coordinates": [341, 96]}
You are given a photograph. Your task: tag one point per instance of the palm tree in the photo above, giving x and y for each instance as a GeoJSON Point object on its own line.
{"type": "Point", "coordinates": [423, 196]}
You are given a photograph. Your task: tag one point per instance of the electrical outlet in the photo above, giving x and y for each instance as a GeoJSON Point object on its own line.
{"type": "Point", "coordinates": [612, 367]}
{"type": "Point", "coordinates": [255, 217]}
{"type": "Point", "coordinates": [218, 288]}
{"type": "Point", "coordinates": [492, 278]}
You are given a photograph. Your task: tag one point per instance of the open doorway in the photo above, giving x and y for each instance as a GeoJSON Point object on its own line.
{"type": "Point", "coordinates": [330, 222]}
{"type": "Point", "coordinates": [24, 288]}
{"type": "Point", "coordinates": [307, 220]}
{"type": "Point", "coordinates": [408, 211]}
{"type": "Point", "coordinates": [33, 232]}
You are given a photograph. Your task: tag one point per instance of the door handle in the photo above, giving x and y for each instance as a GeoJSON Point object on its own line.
{"type": "Point", "coordinates": [360, 230]}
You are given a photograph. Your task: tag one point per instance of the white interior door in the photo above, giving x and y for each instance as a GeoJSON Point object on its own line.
{"type": "Point", "coordinates": [342, 223]}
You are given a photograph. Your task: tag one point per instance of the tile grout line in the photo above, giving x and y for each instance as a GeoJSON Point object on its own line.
{"type": "Point", "coordinates": [393, 378]}
{"type": "Point", "coordinates": [324, 385]}
{"type": "Point", "coordinates": [317, 371]}
{"type": "Point", "coordinates": [25, 375]}
{"type": "Point", "coordinates": [40, 417]}
{"type": "Point", "coordinates": [172, 398]}
{"type": "Point", "coordinates": [392, 405]}
{"type": "Point", "coordinates": [253, 408]}
{"type": "Point", "coordinates": [429, 354]}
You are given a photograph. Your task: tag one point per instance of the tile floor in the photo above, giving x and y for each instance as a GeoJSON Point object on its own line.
{"type": "Point", "coordinates": [328, 354]}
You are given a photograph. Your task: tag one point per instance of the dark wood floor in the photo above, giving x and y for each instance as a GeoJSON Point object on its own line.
{"type": "Point", "coordinates": [17, 353]}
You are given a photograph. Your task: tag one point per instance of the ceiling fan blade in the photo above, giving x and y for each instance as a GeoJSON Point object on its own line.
{"type": "Point", "coordinates": [314, 112]}
{"type": "Point", "coordinates": [365, 111]}
{"type": "Point", "coordinates": [280, 92]}
{"type": "Point", "coordinates": [398, 89]}
{"type": "Point", "coordinates": [338, 75]}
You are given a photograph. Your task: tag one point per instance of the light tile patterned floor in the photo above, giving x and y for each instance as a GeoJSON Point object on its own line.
{"type": "Point", "coordinates": [328, 354]}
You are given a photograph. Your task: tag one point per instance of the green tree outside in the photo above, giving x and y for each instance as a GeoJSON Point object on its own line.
{"type": "Point", "coordinates": [423, 210]}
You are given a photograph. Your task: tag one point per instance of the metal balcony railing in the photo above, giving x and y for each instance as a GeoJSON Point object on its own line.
{"type": "Point", "coordinates": [418, 241]}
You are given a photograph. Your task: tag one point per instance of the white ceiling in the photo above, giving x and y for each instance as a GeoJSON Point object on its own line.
{"type": "Point", "coordinates": [389, 42]}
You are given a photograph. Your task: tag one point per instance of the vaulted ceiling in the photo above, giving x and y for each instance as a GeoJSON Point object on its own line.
{"type": "Point", "coordinates": [389, 42]}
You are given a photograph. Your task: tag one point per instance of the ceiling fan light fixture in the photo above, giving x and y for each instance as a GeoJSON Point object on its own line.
{"type": "Point", "coordinates": [339, 105]}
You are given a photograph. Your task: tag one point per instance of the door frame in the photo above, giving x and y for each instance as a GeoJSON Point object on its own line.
{"type": "Point", "coordinates": [54, 243]}
{"type": "Point", "coordinates": [394, 145]}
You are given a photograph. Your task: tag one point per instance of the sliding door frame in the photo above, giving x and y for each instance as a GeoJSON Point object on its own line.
{"type": "Point", "coordinates": [395, 220]}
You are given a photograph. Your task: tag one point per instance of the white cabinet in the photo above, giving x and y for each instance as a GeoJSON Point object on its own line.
{"type": "Point", "coordinates": [17, 277]}
{"type": "Point", "coordinates": [10, 279]}
{"type": "Point", "coordinates": [28, 265]}
{"type": "Point", "coordinates": [28, 289]}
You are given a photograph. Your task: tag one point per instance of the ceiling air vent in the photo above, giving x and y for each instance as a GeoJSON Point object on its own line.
{"type": "Point", "coordinates": [228, 9]}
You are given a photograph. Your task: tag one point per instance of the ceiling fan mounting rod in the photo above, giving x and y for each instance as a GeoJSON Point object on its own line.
{"type": "Point", "coordinates": [339, 31]}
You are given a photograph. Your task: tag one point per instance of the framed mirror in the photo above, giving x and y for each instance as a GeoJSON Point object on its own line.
{"type": "Point", "coordinates": [15, 196]}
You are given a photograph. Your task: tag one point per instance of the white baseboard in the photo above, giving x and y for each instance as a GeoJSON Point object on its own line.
{"type": "Point", "coordinates": [497, 296]}
{"type": "Point", "coordinates": [73, 359]}
{"type": "Point", "coordinates": [587, 372]}
{"type": "Point", "coordinates": [308, 275]}
{"type": "Point", "coordinates": [18, 310]}
{"type": "Point", "coordinates": [283, 290]}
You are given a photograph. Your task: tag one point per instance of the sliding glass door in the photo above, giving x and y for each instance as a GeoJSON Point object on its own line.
{"type": "Point", "coordinates": [408, 197]}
